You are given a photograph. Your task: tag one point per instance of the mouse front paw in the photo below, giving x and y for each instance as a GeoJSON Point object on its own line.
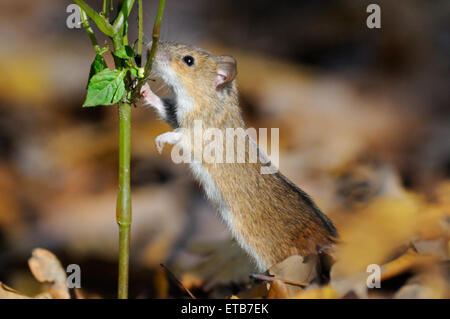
{"type": "Point", "coordinates": [172, 138]}
{"type": "Point", "coordinates": [149, 97]}
{"type": "Point", "coordinates": [153, 100]}
{"type": "Point", "coordinates": [146, 92]}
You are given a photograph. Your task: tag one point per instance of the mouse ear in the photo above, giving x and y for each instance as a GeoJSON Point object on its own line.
{"type": "Point", "coordinates": [226, 71]}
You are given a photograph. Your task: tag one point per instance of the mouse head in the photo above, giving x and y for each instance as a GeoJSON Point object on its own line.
{"type": "Point", "coordinates": [194, 67]}
{"type": "Point", "coordinates": [194, 74]}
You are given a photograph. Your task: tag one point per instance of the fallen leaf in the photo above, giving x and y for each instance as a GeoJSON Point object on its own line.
{"type": "Point", "coordinates": [403, 263]}
{"type": "Point", "coordinates": [9, 293]}
{"type": "Point", "coordinates": [295, 269]}
{"type": "Point", "coordinates": [46, 268]}
{"type": "Point", "coordinates": [224, 261]}
{"type": "Point", "coordinates": [278, 290]}
{"type": "Point", "coordinates": [375, 233]}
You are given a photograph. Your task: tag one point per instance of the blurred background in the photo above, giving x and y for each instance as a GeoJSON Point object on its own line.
{"type": "Point", "coordinates": [363, 114]}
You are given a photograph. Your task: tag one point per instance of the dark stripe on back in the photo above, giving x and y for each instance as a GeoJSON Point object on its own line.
{"type": "Point", "coordinates": [305, 197]}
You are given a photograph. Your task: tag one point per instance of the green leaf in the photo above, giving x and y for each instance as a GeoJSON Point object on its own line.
{"type": "Point", "coordinates": [97, 66]}
{"type": "Point", "coordinates": [105, 88]}
{"type": "Point", "coordinates": [125, 52]}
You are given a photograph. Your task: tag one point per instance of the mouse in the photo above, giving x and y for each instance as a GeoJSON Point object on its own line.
{"type": "Point", "coordinates": [268, 215]}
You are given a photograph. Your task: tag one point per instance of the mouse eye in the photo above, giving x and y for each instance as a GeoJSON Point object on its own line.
{"type": "Point", "coordinates": [188, 60]}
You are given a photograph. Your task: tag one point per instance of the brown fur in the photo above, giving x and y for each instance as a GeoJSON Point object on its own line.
{"type": "Point", "coordinates": [274, 217]}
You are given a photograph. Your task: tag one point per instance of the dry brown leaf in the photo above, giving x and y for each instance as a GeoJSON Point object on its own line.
{"type": "Point", "coordinates": [9, 293]}
{"type": "Point", "coordinates": [225, 261]}
{"type": "Point", "coordinates": [295, 269]}
{"type": "Point", "coordinates": [403, 263]}
{"type": "Point", "coordinates": [278, 290]}
{"type": "Point", "coordinates": [46, 268]}
{"type": "Point", "coordinates": [371, 236]}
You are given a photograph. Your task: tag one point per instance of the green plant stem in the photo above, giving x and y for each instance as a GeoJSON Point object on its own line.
{"type": "Point", "coordinates": [118, 33]}
{"type": "Point", "coordinates": [100, 21]}
{"type": "Point", "coordinates": [155, 38]}
{"type": "Point", "coordinates": [140, 29]}
{"type": "Point", "coordinates": [105, 8]}
{"type": "Point", "coordinates": [123, 209]}
{"type": "Point", "coordinates": [90, 32]}
{"type": "Point", "coordinates": [151, 56]}
{"type": "Point", "coordinates": [123, 15]}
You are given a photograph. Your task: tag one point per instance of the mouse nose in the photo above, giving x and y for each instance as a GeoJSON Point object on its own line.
{"type": "Point", "coordinates": [162, 54]}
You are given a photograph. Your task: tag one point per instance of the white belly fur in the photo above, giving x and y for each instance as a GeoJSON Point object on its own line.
{"type": "Point", "coordinates": [214, 195]}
